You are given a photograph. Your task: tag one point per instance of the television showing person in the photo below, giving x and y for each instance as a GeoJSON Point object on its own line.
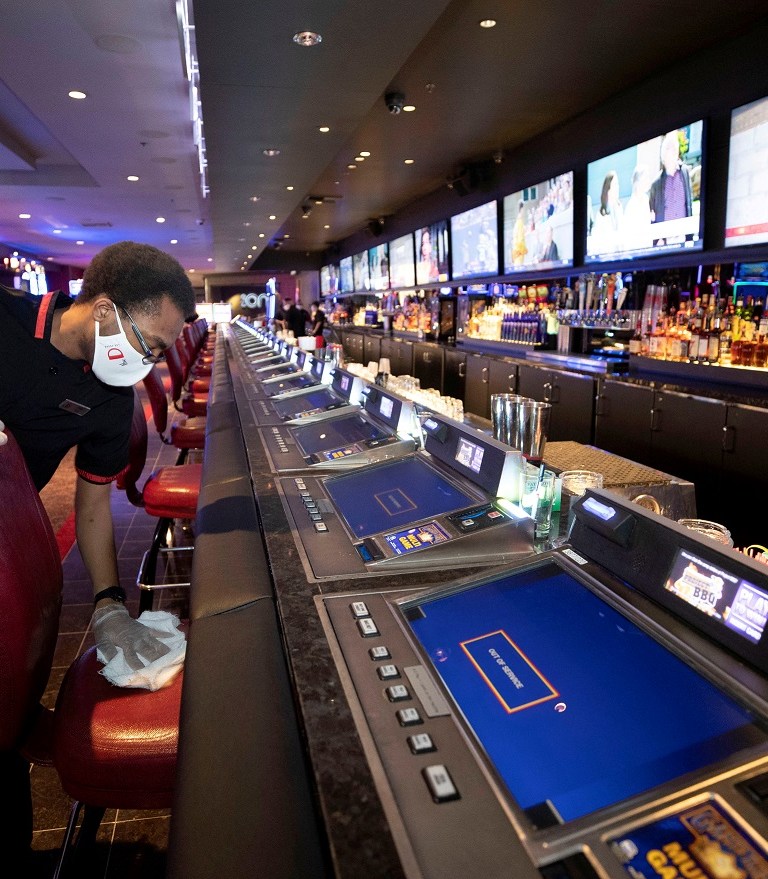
{"type": "Point", "coordinates": [671, 196]}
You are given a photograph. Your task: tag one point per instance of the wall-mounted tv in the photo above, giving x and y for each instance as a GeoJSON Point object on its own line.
{"type": "Point", "coordinates": [402, 269]}
{"type": "Point", "coordinates": [746, 216]}
{"type": "Point", "coordinates": [538, 226]}
{"type": "Point", "coordinates": [378, 266]}
{"type": "Point", "coordinates": [347, 275]}
{"type": "Point", "coordinates": [431, 244]}
{"type": "Point", "coordinates": [647, 199]}
{"type": "Point", "coordinates": [361, 271]}
{"type": "Point", "coordinates": [475, 242]}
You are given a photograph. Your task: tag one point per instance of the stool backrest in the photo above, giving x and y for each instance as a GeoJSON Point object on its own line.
{"type": "Point", "coordinates": [128, 480]}
{"type": "Point", "coordinates": [30, 596]}
{"type": "Point", "coordinates": [176, 372]}
{"type": "Point", "coordinates": [155, 388]}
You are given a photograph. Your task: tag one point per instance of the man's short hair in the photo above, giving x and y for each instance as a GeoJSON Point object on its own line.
{"type": "Point", "coordinates": [137, 276]}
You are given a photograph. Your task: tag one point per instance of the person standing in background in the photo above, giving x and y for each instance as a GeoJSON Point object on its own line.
{"type": "Point", "coordinates": [317, 319]}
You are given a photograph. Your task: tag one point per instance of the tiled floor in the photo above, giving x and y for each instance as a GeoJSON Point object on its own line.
{"type": "Point", "coordinates": [131, 844]}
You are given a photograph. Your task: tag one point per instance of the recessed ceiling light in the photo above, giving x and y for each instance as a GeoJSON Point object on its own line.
{"type": "Point", "coordinates": [255, 198]}
{"type": "Point", "coordinates": [351, 166]}
{"type": "Point", "coordinates": [159, 219]}
{"type": "Point", "coordinates": [488, 22]}
{"type": "Point", "coordinates": [192, 270]}
{"type": "Point", "coordinates": [255, 247]}
{"type": "Point", "coordinates": [409, 108]}
{"type": "Point", "coordinates": [289, 188]}
{"type": "Point", "coordinates": [364, 153]}
{"type": "Point", "coordinates": [57, 231]}
{"type": "Point", "coordinates": [408, 161]}
{"type": "Point", "coordinates": [326, 226]}
{"type": "Point", "coordinates": [25, 216]}
{"type": "Point", "coordinates": [286, 235]}
{"type": "Point", "coordinates": [78, 96]}
{"type": "Point", "coordinates": [246, 224]}
{"type": "Point", "coordinates": [359, 158]}
{"type": "Point", "coordinates": [271, 152]}
{"type": "Point", "coordinates": [174, 240]}
{"type": "Point", "coordinates": [324, 128]}
{"type": "Point", "coordinates": [49, 258]}
{"type": "Point", "coordinates": [210, 259]}
{"type": "Point", "coordinates": [307, 38]}
{"type": "Point", "coordinates": [272, 217]}
{"type": "Point", "coordinates": [261, 234]}
{"type": "Point", "coordinates": [80, 242]}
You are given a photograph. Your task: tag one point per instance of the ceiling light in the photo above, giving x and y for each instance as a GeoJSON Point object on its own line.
{"type": "Point", "coordinates": [132, 177]}
{"type": "Point", "coordinates": [210, 259]}
{"type": "Point", "coordinates": [326, 226]}
{"type": "Point", "coordinates": [271, 152]}
{"type": "Point", "coordinates": [57, 231]}
{"type": "Point", "coordinates": [174, 240]}
{"type": "Point", "coordinates": [261, 234]}
{"type": "Point", "coordinates": [324, 128]}
{"type": "Point", "coordinates": [255, 247]}
{"type": "Point", "coordinates": [359, 158]}
{"type": "Point", "coordinates": [307, 38]}
{"type": "Point", "coordinates": [286, 235]}
{"type": "Point", "coordinates": [246, 224]}
{"type": "Point", "coordinates": [78, 96]}
{"type": "Point", "coordinates": [255, 198]}
{"type": "Point", "coordinates": [159, 219]}
{"type": "Point", "coordinates": [80, 242]}
{"type": "Point", "coordinates": [408, 161]}
{"type": "Point", "coordinates": [488, 22]}
{"type": "Point", "coordinates": [409, 108]}
{"type": "Point", "coordinates": [364, 153]}
{"type": "Point", "coordinates": [351, 166]}
{"type": "Point", "coordinates": [289, 188]}
{"type": "Point", "coordinates": [272, 217]}
{"type": "Point", "coordinates": [192, 270]}
{"type": "Point", "coordinates": [25, 216]}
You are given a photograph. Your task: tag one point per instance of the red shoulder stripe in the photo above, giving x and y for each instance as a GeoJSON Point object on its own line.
{"type": "Point", "coordinates": [42, 315]}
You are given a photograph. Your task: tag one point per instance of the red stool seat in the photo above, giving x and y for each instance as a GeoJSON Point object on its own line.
{"type": "Point", "coordinates": [200, 385]}
{"type": "Point", "coordinates": [172, 492]}
{"type": "Point", "coordinates": [115, 747]}
{"type": "Point", "coordinates": [194, 404]}
{"type": "Point", "coordinates": [188, 434]}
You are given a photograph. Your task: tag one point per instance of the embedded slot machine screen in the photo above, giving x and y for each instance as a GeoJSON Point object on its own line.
{"type": "Point", "coordinates": [334, 434]}
{"type": "Point", "coordinates": [391, 495]}
{"type": "Point", "coordinates": [574, 705]}
{"type": "Point", "coordinates": [291, 383]}
{"type": "Point", "coordinates": [319, 399]}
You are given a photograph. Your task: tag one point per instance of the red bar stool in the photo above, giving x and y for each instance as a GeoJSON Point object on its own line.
{"type": "Point", "coordinates": [186, 434]}
{"type": "Point", "coordinates": [112, 748]}
{"type": "Point", "coordinates": [170, 494]}
{"type": "Point", "coordinates": [192, 404]}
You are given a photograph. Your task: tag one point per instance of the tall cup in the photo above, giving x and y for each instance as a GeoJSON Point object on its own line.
{"type": "Point", "coordinates": [532, 429]}
{"type": "Point", "coordinates": [504, 417]}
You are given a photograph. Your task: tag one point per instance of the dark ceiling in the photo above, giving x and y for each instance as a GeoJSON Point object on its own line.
{"type": "Point", "coordinates": [477, 93]}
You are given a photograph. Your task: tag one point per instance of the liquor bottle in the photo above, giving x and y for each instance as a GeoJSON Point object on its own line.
{"type": "Point", "coordinates": [713, 344]}
{"type": "Point", "coordinates": [703, 341]}
{"type": "Point", "coordinates": [726, 337]}
{"type": "Point", "coordinates": [636, 342]}
{"type": "Point", "coordinates": [693, 349]}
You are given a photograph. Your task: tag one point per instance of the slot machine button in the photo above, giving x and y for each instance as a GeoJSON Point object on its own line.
{"type": "Point", "coordinates": [398, 693]}
{"type": "Point", "coordinates": [315, 517]}
{"type": "Point", "coordinates": [367, 628]}
{"type": "Point", "coordinates": [387, 672]}
{"type": "Point", "coordinates": [321, 527]}
{"type": "Point", "coordinates": [359, 610]}
{"type": "Point", "coordinates": [421, 743]}
{"type": "Point", "coordinates": [409, 717]}
{"type": "Point", "coordinates": [440, 783]}
{"type": "Point", "coordinates": [377, 654]}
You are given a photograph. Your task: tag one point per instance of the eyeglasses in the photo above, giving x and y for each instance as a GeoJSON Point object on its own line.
{"type": "Point", "coordinates": [148, 357]}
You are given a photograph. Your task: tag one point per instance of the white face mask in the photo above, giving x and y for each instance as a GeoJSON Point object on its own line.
{"type": "Point", "coordinates": [115, 361]}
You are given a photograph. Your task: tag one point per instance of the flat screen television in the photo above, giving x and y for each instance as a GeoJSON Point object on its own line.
{"type": "Point", "coordinates": [325, 280]}
{"type": "Point", "coordinates": [361, 272]}
{"type": "Point", "coordinates": [431, 245]}
{"type": "Point", "coordinates": [475, 242]}
{"type": "Point", "coordinates": [646, 199]}
{"type": "Point", "coordinates": [402, 269]}
{"type": "Point", "coordinates": [347, 276]}
{"type": "Point", "coordinates": [538, 226]}
{"type": "Point", "coordinates": [746, 215]}
{"type": "Point", "coordinates": [329, 279]}
{"type": "Point", "coordinates": [378, 266]}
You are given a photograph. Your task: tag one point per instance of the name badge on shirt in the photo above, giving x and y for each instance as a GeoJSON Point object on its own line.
{"type": "Point", "coordinates": [74, 408]}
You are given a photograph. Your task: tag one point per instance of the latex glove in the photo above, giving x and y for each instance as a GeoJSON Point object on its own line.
{"type": "Point", "coordinates": [3, 437]}
{"type": "Point", "coordinates": [115, 628]}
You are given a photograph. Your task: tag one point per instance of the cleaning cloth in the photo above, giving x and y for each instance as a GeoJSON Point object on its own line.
{"type": "Point", "coordinates": [158, 673]}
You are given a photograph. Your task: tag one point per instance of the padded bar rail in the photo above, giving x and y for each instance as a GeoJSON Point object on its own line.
{"type": "Point", "coordinates": [243, 803]}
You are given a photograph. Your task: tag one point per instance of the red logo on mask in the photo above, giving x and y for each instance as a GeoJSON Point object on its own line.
{"type": "Point", "coordinates": [114, 354]}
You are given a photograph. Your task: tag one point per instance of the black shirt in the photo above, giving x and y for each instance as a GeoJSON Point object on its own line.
{"type": "Point", "coordinates": [296, 320]}
{"type": "Point", "coordinates": [51, 403]}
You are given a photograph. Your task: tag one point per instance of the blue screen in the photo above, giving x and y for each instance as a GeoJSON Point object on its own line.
{"type": "Point", "coordinates": [326, 435]}
{"type": "Point", "coordinates": [572, 702]}
{"type": "Point", "coordinates": [303, 403]}
{"type": "Point", "coordinates": [388, 496]}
